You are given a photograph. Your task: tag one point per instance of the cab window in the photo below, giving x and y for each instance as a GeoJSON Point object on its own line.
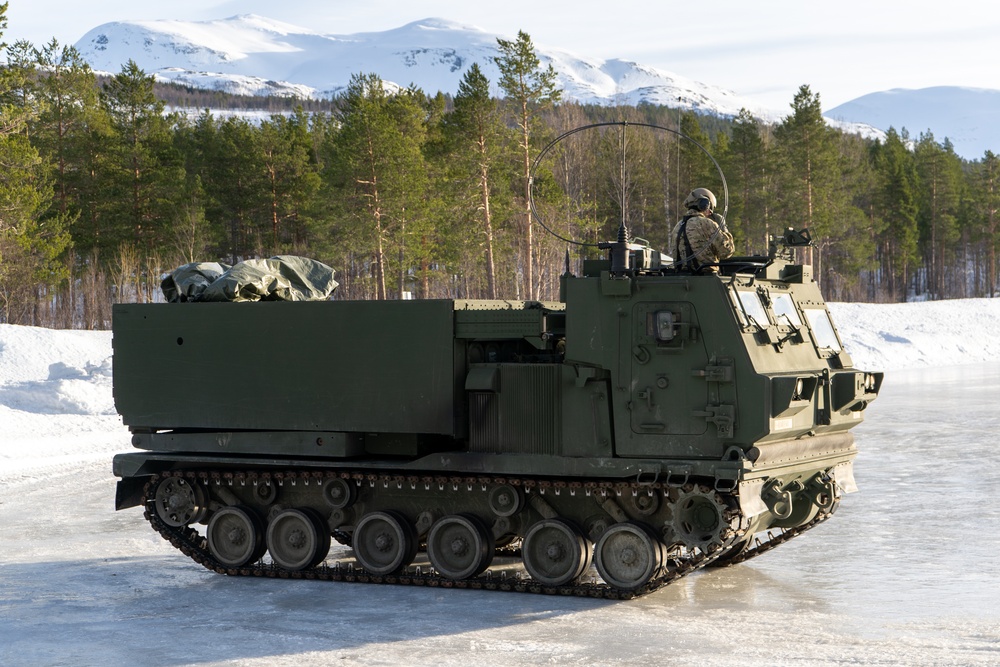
{"type": "Point", "coordinates": [737, 308]}
{"type": "Point", "coordinates": [822, 329]}
{"type": "Point", "coordinates": [784, 310]}
{"type": "Point", "coordinates": [753, 308]}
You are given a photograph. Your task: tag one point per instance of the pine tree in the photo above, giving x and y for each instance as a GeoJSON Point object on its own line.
{"type": "Point", "coordinates": [377, 171]}
{"type": "Point", "coordinates": [939, 171]}
{"type": "Point", "coordinates": [696, 168]}
{"type": "Point", "coordinates": [20, 78]}
{"type": "Point", "coordinates": [808, 173]}
{"type": "Point", "coordinates": [989, 197]}
{"type": "Point", "coordinates": [236, 187]}
{"type": "Point", "coordinates": [30, 244]}
{"type": "Point", "coordinates": [579, 196]}
{"type": "Point", "coordinates": [70, 120]}
{"type": "Point", "coordinates": [628, 168]}
{"type": "Point", "coordinates": [416, 238]}
{"type": "Point", "coordinates": [474, 134]}
{"type": "Point", "coordinates": [895, 201]}
{"type": "Point", "coordinates": [194, 237]}
{"type": "Point", "coordinates": [529, 88]}
{"type": "Point", "coordinates": [748, 174]}
{"type": "Point", "coordinates": [849, 247]}
{"type": "Point", "coordinates": [291, 177]}
{"type": "Point", "coordinates": [144, 171]}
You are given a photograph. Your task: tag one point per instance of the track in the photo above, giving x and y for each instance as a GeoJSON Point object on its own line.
{"type": "Point", "coordinates": [498, 578]}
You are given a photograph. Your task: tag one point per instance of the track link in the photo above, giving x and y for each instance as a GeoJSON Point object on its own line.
{"type": "Point", "coordinates": [764, 542]}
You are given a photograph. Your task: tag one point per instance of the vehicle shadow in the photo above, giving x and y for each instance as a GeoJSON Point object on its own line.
{"type": "Point", "coordinates": [167, 611]}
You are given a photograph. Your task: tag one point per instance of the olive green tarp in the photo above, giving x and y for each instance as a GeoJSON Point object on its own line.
{"type": "Point", "coordinates": [280, 278]}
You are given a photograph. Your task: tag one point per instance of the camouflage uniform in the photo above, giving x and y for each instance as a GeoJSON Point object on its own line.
{"type": "Point", "coordinates": [709, 241]}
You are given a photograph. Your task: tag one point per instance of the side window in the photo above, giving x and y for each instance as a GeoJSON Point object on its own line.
{"type": "Point", "coordinates": [822, 328]}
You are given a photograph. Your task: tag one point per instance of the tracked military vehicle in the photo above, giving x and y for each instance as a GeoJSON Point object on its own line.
{"type": "Point", "coordinates": [651, 422]}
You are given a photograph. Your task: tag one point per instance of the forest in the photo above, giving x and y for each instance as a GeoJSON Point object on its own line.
{"type": "Point", "coordinates": [416, 194]}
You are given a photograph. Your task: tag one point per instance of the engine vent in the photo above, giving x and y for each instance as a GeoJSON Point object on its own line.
{"type": "Point", "coordinates": [520, 411]}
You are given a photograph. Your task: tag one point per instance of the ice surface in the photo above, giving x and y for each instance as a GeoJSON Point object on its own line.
{"type": "Point", "coordinates": [906, 573]}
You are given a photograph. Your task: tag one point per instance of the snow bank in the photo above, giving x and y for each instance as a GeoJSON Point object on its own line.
{"type": "Point", "coordinates": [900, 336]}
{"type": "Point", "coordinates": [26, 353]}
{"type": "Point", "coordinates": [56, 407]}
{"type": "Point", "coordinates": [50, 372]}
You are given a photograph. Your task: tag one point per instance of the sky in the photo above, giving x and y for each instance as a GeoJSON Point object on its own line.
{"type": "Point", "coordinates": [762, 50]}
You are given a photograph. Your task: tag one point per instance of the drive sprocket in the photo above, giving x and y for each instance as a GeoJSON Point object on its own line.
{"type": "Point", "coordinates": [701, 519]}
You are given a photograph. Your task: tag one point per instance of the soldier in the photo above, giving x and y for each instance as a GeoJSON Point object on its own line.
{"type": "Point", "coordinates": [701, 238]}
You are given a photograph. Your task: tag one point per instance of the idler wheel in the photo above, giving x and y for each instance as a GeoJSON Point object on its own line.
{"type": "Point", "coordinates": [179, 502]}
{"type": "Point", "coordinates": [459, 546]}
{"type": "Point", "coordinates": [555, 553]}
{"type": "Point", "coordinates": [297, 539]}
{"type": "Point", "coordinates": [384, 542]}
{"type": "Point", "coordinates": [628, 556]}
{"type": "Point", "coordinates": [235, 536]}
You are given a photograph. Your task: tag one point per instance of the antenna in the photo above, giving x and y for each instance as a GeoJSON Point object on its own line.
{"type": "Point", "coordinates": [623, 233]}
{"type": "Point", "coordinates": [624, 226]}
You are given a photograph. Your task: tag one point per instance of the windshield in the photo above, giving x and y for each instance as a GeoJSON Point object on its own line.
{"type": "Point", "coordinates": [784, 310]}
{"type": "Point", "coordinates": [753, 308]}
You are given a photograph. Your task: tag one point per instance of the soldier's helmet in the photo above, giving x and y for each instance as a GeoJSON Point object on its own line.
{"type": "Point", "coordinates": [700, 199]}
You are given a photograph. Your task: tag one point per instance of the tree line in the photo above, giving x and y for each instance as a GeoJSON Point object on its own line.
{"type": "Point", "coordinates": [415, 195]}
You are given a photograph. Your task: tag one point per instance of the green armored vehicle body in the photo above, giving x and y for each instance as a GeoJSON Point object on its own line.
{"type": "Point", "coordinates": [651, 422]}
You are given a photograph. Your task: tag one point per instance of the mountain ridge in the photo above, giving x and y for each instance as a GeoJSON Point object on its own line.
{"type": "Point", "coordinates": [231, 53]}
{"type": "Point", "coordinates": [972, 114]}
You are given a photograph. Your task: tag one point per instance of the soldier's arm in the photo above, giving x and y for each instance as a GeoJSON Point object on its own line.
{"type": "Point", "coordinates": [723, 245]}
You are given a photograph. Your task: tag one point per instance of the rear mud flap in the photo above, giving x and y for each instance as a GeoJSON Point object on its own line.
{"type": "Point", "coordinates": [843, 475]}
{"type": "Point", "coordinates": [751, 502]}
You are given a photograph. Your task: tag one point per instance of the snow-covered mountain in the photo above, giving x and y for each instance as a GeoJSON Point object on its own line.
{"type": "Point", "coordinates": [966, 116]}
{"type": "Point", "coordinates": [250, 54]}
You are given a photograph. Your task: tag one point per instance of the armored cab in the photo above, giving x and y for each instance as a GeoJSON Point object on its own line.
{"type": "Point", "coordinates": [651, 422]}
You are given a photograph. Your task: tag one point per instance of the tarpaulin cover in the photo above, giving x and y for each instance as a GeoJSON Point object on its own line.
{"type": "Point", "coordinates": [186, 283]}
{"type": "Point", "coordinates": [280, 278]}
